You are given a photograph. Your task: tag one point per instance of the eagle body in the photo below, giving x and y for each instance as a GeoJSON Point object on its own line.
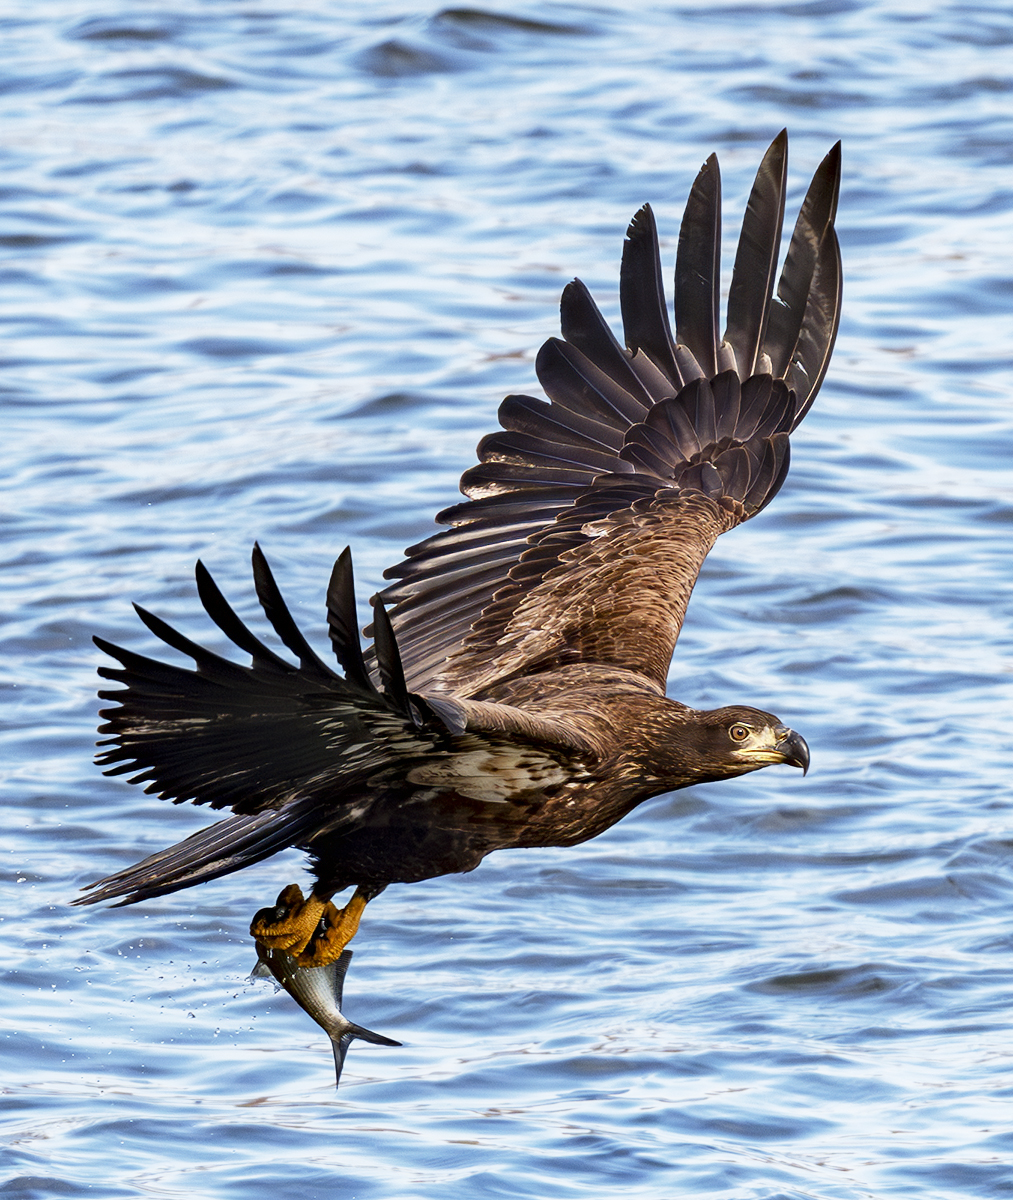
{"type": "Point", "coordinates": [484, 791]}
{"type": "Point", "coordinates": [514, 691]}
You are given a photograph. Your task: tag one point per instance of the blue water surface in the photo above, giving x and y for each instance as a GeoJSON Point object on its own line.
{"type": "Point", "coordinates": [266, 273]}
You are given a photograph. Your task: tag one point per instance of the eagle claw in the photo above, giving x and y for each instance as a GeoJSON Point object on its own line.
{"type": "Point", "coordinates": [311, 930]}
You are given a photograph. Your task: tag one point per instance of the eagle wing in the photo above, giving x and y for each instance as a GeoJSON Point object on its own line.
{"type": "Point", "coordinates": [258, 738]}
{"type": "Point", "coordinates": [589, 516]}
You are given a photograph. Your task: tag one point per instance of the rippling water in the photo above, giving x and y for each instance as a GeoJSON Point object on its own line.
{"type": "Point", "coordinates": [266, 274]}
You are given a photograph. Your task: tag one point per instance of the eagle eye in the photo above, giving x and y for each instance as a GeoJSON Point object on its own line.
{"type": "Point", "coordinates": [738, 733]}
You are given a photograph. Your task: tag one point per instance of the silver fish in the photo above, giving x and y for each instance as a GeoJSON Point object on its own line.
{"type": "Point", "coordinates": [317, 991]}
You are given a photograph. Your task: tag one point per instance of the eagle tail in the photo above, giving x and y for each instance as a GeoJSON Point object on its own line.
{"type": "Point", "coordinates": [220, 849]}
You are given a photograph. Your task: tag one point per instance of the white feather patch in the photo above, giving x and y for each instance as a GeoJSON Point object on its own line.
{"type": "Point", "coordinates": [493, 775]}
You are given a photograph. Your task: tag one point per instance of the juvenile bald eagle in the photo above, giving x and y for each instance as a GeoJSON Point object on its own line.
{"type": "Point", "coordinates": [514, 693]}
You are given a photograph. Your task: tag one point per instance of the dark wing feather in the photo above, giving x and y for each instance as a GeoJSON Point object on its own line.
{"type": "Point", "coordinates": [261, 737]}
{"type": "Point", "coordinates": [223, 615]}
{"type": "Point", "coordinates": [343, 624]}
{"type": "Point", "coordinates": [388, 661]}
{"type": "Point", "coordinates": [585, 329]}
{"type": "Point", "coordinates": [610, 464]}
{"type": "Point", "coordinates": [698, 269]}
{"type": "Point", "coordinates": [819, 329]}
{"type": "Point", "coordinates": [276, 611]}
{"type": "Point", "coordinates": [574, 381]}
{"type": "Point", "coordinates": [756, 258]}
{"type": "Point", "coordinates": [642, 295]}
{"type": "Point", "coordinates": [810, 281]}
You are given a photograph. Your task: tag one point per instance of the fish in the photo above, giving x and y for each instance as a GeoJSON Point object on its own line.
{"type": "Point", "coordinates": [318, 991]}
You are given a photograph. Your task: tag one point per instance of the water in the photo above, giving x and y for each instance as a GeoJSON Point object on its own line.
{"type": "Point", "coordinates": [267, 273]}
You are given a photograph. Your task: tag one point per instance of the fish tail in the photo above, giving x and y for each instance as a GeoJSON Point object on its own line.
{"type": "Point", "coordinates": [340, 1045]}
{"type": "Point", "coordinates": [367, 1035]}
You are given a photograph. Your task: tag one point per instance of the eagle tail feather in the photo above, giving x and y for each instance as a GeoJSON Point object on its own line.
{"type": "Point", "coordinates": [218, 850]}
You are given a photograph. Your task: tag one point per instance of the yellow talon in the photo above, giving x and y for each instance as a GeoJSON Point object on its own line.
{"type": "Point", "coordinates": [294, 925]}
{"type": "Point", "coordinates": [339, 928]}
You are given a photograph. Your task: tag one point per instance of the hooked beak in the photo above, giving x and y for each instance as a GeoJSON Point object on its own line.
{"type": "Point", "coordinates": [792, 748]}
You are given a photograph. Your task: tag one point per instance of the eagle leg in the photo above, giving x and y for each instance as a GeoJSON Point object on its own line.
{"type": "Point", "coordinates": [311, 930]}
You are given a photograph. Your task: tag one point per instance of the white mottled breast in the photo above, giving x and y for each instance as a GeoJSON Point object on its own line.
{"type": "Point", "coordinates": [492, 774]}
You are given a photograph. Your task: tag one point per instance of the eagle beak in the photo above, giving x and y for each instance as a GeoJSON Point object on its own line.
{"type": "Point", "coordinates": [792, 748]}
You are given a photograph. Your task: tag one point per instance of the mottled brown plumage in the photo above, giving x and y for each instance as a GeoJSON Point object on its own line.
{"type": "Point", "coordinates": [514, 693]}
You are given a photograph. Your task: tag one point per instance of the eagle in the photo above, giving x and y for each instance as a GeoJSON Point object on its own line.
{"type": "Point", "coordinates": [514, 691]}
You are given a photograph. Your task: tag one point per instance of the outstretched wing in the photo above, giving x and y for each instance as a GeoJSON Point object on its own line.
{"type": "Point", "coordinates": [589, 516]}
{"type": "Point", "coordinates": [268, 736]}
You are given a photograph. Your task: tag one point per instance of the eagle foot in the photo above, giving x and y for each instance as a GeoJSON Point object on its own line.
{"type": "Point", "coordinates": [291, 923]}
{"type": "Point", "coordinates": [312, 931]}
{"type": "Point", "coordinates": [338, 928]}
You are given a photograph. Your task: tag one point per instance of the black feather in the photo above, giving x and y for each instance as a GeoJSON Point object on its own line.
{"type": "Point", "coordinates": [223, 615]}
{"type": "Point", "coordinates": [642, 294]}
{"type": "Point", "coordinates": [277, 613]}
{"type": "Point", "coordinates": [525, 414]}
{"type": "Point", "coordinates": [573, 381]}
{"type": "Point", "coordinates": [584, 328]}
{"type": "Point", "coordinates": [727, 402]}
{"type": "Point", "coordinates": [698, 401]}
{"type": "Point", "coordinates": [697, 268]}
{"type": "Point", "coordinates": [209, 664]}
{"type": "Point", "coordinates": [388, 660]}
{"type": "Point", "coordinates": [756, 258]}
{"type": "Point", "coordinates": [755, 398]}
{"type": "Point", "coordinates": [343, 624]}
{"type": "Point", "coordinates": [819, 329]}
{"type": "Point", "coordinates": [788, 311]}
{"type": "Point", "coordinates": [522, 448]}
{"type": "Point", "coordinates": [672, 418]}
{"type": "Point", "coordinates": [490, 479]}
{"type": "Point", "coordinates": [782, 449]}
